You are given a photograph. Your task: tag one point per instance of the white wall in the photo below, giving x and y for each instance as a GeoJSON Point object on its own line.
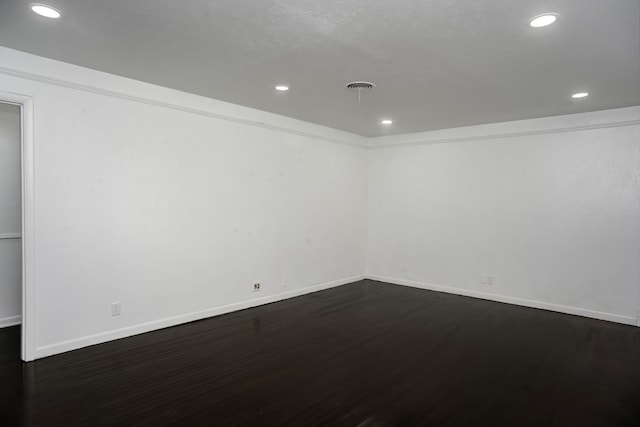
{"type": "Point", "coordinates": [550, 207]}
{"type": "Point", "coordinates": [174, 204]}
{"type": "Point", "coordinates": [10, 216]}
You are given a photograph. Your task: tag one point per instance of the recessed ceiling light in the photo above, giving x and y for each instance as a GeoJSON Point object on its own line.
{"type": "Point", "coordinates": [282, 88]}
{"type": "Point", "coordinates": [580, 95]}
{"type": "Point", "coordinates": [386, 122]}
{"type": "Point", "coordinates": [543, 20]}
{"type": "Point", "coordinates": [44, 10]}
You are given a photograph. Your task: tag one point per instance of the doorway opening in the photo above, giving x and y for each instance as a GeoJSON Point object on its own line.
{"type": "Point", "coordinates": [10, 223]}
{"type": "Point", "coordinates": [16, 221]}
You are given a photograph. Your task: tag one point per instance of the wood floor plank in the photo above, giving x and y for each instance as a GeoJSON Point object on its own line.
{"type": "Point", "coordinates": [364, 354]}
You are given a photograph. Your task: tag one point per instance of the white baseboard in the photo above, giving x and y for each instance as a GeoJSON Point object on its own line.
{"type": "Point", "coordinates": [627, 320]}
{"type": "Point", "coordinates": [10, 321]}
{"type": "Point", "coordinates": [50, 350]}
{"type": "Point", "coordinates": [74, 344]}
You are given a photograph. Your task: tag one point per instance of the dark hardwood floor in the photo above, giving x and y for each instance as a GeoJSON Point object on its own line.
{"type": "Point", "coordinates": [364, 354]}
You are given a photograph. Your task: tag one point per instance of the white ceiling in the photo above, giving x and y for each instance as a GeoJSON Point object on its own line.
{"type": "Point", "coordinates": [437, 63]}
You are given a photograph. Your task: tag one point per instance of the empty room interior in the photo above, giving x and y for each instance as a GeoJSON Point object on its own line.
{"type": "Point", "coordinates": [320, 213]}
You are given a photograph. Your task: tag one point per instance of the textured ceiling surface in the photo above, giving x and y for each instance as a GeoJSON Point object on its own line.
{"type": "Point", "coordinates": [437, 63]}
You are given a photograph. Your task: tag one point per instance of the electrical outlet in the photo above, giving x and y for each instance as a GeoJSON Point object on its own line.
{"type": "Point", "coordinates": [487, 279]}
{"type": "Point", "coordinates": [115, 309]}
{"type": "Point", "coordinates": [256, 286]}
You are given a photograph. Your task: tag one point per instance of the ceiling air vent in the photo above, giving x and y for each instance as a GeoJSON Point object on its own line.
{"type": "Point", "coordinates": [360, 85]}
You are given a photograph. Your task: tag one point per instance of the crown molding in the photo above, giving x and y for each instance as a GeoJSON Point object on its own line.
{"type": "Point", "coordinates": [40, 78]}
{"type": "Point", "coordinates": [466, 134]}
{"type": "Point", "coordinates": [476, 133]}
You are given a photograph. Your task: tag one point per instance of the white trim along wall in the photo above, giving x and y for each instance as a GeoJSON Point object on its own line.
{"type": "Point", "coordinates": [173, 205]}
{"type": "Point", "coordinates": [10, 321]}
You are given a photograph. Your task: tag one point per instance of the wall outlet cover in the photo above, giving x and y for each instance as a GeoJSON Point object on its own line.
{"type": "Point", "coordinates": [115, 309]}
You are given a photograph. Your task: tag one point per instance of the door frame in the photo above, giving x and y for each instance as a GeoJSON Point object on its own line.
{"type": "Point", "coordinates": [25, 102]}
